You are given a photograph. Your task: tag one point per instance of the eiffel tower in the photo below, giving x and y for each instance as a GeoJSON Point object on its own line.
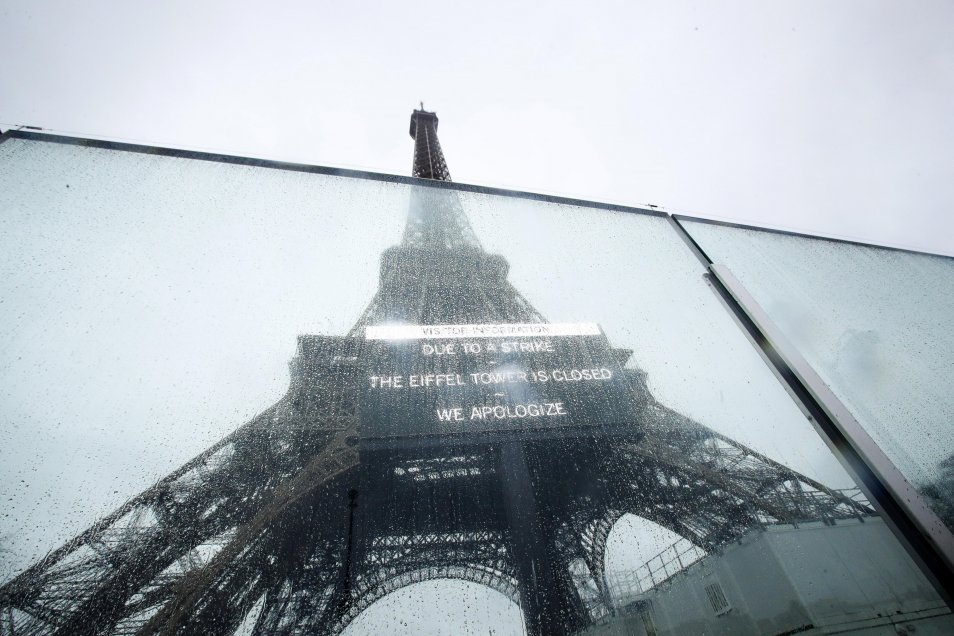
{"type": "Point", "coordinates": [348, 489]}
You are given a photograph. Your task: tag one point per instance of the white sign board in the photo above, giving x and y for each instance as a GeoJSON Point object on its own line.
{"type": "Point", "coordinates": [514, 330]}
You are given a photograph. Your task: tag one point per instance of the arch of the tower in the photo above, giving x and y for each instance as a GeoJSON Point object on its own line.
{"type": "Point", "coordinates": [638, 553]}
{"type": "Point", "coordinates": [701, 488]}
{"type": "Point", "coordinates": [378, 587]}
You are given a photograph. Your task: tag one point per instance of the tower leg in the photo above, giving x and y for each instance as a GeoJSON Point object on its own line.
{"type": "Point", "coordinates": [549, 602]}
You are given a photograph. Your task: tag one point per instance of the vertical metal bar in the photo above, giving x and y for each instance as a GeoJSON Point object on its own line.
{"type": "Point", "coordinates": [346, 575]}
{"type": "Point", "coordinates": [547, 601]}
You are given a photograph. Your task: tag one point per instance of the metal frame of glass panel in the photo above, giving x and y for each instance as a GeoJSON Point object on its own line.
{"type": "Point", "coordinates": [924, 535]}
{"type": "Point", "coordinates": [928, 541]}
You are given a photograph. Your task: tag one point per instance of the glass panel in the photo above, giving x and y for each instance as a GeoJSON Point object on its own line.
{"type": "Point", "coordinates": [501, 415]}
{"type": "Point", "coordinates": [875, 324]}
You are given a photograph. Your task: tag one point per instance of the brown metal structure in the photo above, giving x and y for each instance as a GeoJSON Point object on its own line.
{"type": "Point", "coordinates": [294, 524]}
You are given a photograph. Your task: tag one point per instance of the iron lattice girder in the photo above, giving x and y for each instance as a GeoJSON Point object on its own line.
{"type": "Point", "coordinates": [116, 562]}
{"type": "Point", "coordinates": [429, 162]}
{"type": "Point", "coordinates": [89, 567]}
{"type": "Point", "coordinates": [336, 458]}
{"type": "Point", "coordinates": [698, 501]}
{"type": "Point", "coordinates": [258, 520]}
{"type": "Point", "coordinates": [392, 562]}
{"type": "Point", "coordinates": [686, 504]}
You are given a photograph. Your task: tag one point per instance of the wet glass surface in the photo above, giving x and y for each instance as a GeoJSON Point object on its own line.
{"type": "Point", "coordinates": [875, 324]}
{"type": "Point", "coordinates": [250, 400]}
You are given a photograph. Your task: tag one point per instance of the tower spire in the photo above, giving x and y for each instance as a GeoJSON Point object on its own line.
{"type": "Point", "coordinates": [429, 160]}
{"type": "Point", "coordinates": [435, 216]}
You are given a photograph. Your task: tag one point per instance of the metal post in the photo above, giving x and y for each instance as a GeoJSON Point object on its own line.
{"type": "Point", "coordinates": [345, 597]}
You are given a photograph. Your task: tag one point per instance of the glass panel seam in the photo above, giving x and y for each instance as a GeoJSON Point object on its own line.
{"type": "Point", "coordinates": [326, 170]}
{"type": "Point", "coordinates": [922, 533]}
{"type": "Point", "coordinates": [919, 529]}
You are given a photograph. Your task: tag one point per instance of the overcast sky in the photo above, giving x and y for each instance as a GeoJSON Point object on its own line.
{"type": "Point", "coordinates": [829, 117]}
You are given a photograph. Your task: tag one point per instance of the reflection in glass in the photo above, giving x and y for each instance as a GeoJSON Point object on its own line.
{"type": "Point", "coordinates": [876, 325]}
{"type": "Point", "coordinates": [663, 482]}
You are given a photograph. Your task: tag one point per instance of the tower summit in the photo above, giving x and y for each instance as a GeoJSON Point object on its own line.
{"type": "Point", "coordinates": [429, 160]}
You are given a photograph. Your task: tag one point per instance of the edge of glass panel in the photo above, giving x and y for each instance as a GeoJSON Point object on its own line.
{"type": "Point", "coordinates": [926, 539]}
{"type": "Point", "coordinates": [832, 239]}
{"type": "Point", "coordinates": [37, 134]}
{"type": "Point", "coordinates": [315, 169]}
